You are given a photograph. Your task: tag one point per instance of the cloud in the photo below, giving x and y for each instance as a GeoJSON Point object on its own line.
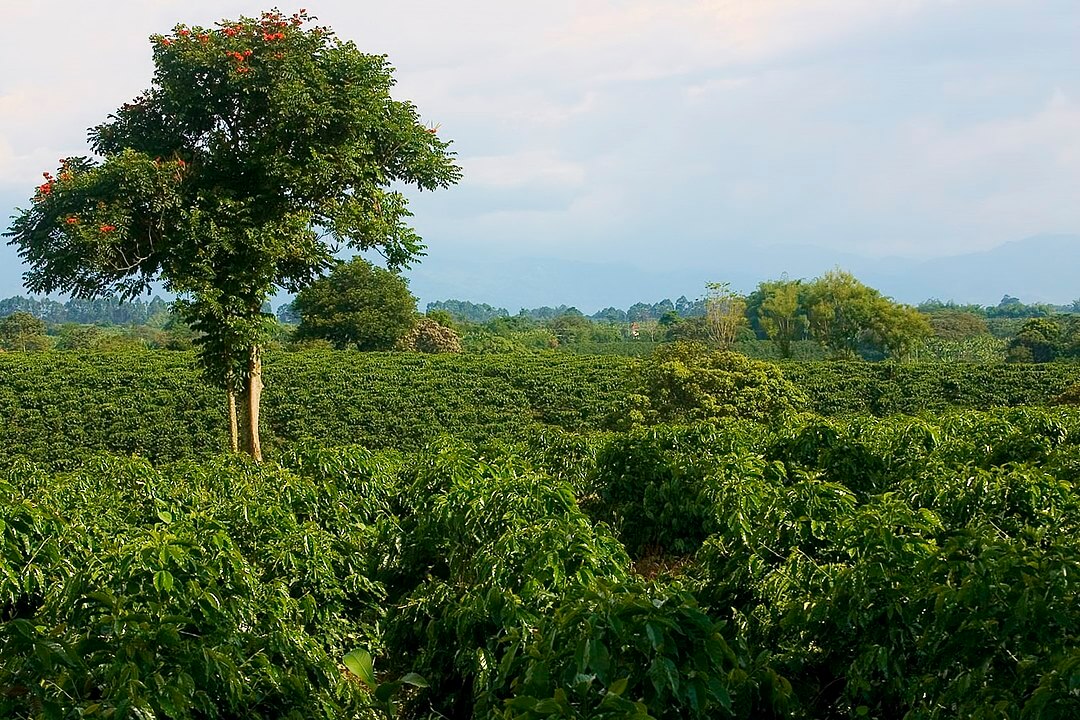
{"type": "Point", "coordinates": [987, 182]}
{"type": "Point", "coordinates": [644, 40]}
{"type": "Point", "coordinates": [531, 167]}
{"type": "Point", "coordinates": [672, 131]}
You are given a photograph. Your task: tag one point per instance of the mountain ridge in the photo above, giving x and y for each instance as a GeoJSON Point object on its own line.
{"type": "Point", "coordinates": [1041, 268]}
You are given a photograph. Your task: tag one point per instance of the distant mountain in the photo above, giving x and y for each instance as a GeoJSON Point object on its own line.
{"type": "Point", "coordinates": [1044, 268]}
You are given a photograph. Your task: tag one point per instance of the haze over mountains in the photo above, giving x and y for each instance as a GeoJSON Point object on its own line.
{"type": "Point", "coordinates": [1043, 268]}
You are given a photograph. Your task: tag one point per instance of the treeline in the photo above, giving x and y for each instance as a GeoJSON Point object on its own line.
{"type": "Point", "coordinates": [1009, 307]}
{"type": "Point", "coordinates": [836, 312]}
{"type": "Point", "coordinates": [101, 311]}
{"type": "Point", "coordinates": [360, 306]}
{"type": "Point", "coordinates": [465, 311]}
{"type": "Point", "coordinates": [832, 316]}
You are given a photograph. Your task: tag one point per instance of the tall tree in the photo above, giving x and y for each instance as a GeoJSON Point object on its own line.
{"type": "Point", "coordinates": [845, 315]}
{"type": "Point", "coordinates": [22, 331]}
{"type": "Point", "coordinates": [779, 312]}
{"type": "Point", "coordinates": [725, 313]}
{"type": "Point", "coordinates": [261, 144]}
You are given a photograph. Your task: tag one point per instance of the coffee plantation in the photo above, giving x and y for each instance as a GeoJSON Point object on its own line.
{"type": "Point", "coordinates": [815, 567]}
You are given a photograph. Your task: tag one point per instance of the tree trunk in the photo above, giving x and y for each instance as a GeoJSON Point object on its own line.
{"type": "Point", "coordinates": [254, 396]}
{"type": "Point", "coordinates": [234, 424]}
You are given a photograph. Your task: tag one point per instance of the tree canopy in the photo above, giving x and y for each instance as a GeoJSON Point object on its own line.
{"type": "Point", "coordinates": [357, 305]}
{"type": "Point", "coordinates": [842, 314]}
{"type": "Point", "coordinates": [22, 331]}
{"type": "Point", "coordinates": [261, 145]}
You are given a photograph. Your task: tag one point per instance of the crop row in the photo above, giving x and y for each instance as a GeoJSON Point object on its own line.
{"type": "Point", "coordinates": [59, 407]}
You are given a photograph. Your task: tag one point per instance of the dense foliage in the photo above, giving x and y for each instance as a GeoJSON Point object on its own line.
{"type": "Point", "coordinates": [102, 311]}
{"type": "Point", "coordinates": [429, 336]}
{"type": "Point", "coordinates": [57, 407]}
{"type": "Point", "coordinates": [22, 331]}
{"type": "Point", "coordinates": [895, 568]}
{"type": "Point", "coordinates": [856, 388]}
{"type": "Point", "coordinates": [683, 382]}
{"type": "Point", "coordinates": [357, 305]}
{"type": "Point", "coordinates": [1045, 340]}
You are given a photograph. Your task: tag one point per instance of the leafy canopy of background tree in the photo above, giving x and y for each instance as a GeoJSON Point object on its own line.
{"type": "Point", "coordinates": [1043, 340]}
{"type": "Point", "coordinates": [957, 324]}
{"type": "Point", "coordinates": [775, 312]}
{"type": "Point", "coordinates": [358, 305]}
{"type": "Point", "coordinates": [848, 317]}
{"type": "Point", "coordinates": [466, 311]}
{"type": "Point", "coordinates": [261, 143]}
{"type": "Point", "coordinates": [22, 331]}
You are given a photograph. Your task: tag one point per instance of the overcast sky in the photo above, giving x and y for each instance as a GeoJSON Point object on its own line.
{"type": "Point", "coordinates": [650, 131]}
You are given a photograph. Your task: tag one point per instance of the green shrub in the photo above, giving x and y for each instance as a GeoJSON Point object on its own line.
{"type": "Point", "coordinates": [686, 382]}
{"type": "Point", "coordinates": [635, 651]}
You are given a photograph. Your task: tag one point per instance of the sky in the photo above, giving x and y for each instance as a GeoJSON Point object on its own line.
{"type": "Point", "coordinates": [663, 136]}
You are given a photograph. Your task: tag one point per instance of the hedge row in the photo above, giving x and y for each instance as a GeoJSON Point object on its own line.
{"type": "Point", "coordinates": [887, 388]}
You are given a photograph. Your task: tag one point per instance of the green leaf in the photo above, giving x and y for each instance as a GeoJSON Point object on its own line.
{"type": "Point", "coordinates": [663, 673]}
{"type": "Point", "coordinates": [414, 680]}
{"type": "Point", "coordinates": [362, 665]}
{"type": "Point", "coordinates": [656, 637]}
{"type": "Point", "coordinates": [599, 659]}
{"type": "Point", "coordinates": [619, 686]}
{"type": "Point", "coordinates": [163, 581]}
{"type": "Point", "coordinates": [547, 707]}
{"type": "Point", "coordinates": [522, 702]}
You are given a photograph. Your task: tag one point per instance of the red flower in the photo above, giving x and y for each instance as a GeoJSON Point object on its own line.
{"type": "Point", "coordinates": [166, 41]}
{"type": "Point", "coordinates": [107, 228]}
{"type": "Point", "coordinates": [183, 33]}
{"type": "Point", "coordinates": [45, 189]}
{"type": "Point", "coordinates": [204, 38]}
{"type": "Point", "coordinates": [72, 220]}
{"type": "Point", "coordinates": [243, 69]}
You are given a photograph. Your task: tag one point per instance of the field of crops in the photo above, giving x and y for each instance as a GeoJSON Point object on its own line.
{"type": "Point", "coordinates": [821, 569]}
{"type": "Point", "coordinates": [59, 408]}
{"type": "Point", "coordinates": [468, 537]}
